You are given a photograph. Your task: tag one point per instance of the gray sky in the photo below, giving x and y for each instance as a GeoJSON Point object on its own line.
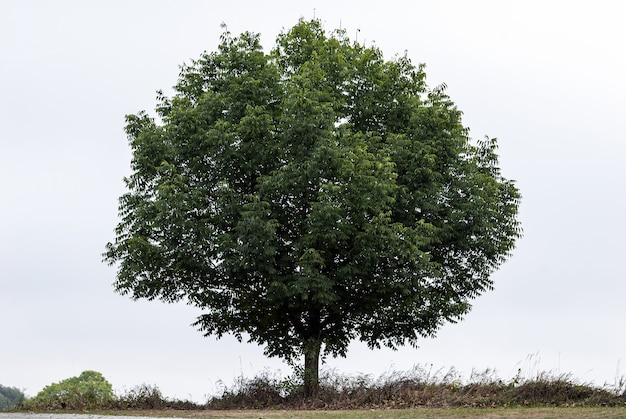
{"type": "Point", "coordinates": [545, 77]}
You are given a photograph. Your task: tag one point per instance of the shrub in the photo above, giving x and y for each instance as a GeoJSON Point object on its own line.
{"type": "Point", "coordinates": [260, 392]}
{"type": "Point", "coordinates": [90, 390]}
{"type": "Point", "coordinates": [149, 397]}
{"type": "Point", "coordinates": [142, 397]}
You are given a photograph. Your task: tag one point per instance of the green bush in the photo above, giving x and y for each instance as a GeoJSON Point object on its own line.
{"type": "Point", "coordinates": [90, 390]}
{"type": "Point", "coordinates": [10, 397]}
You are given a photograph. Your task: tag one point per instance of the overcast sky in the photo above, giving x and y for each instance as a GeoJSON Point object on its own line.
{"type": "Point", "coordinates": [544, 77]}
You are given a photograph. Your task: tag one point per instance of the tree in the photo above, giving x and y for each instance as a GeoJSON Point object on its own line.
{"type": "Point", "coordinates": [90, 390]}
{"type": "Point", "coordinates": [10, 397]}
{"type": "Point", "coordinates": [311, 196]}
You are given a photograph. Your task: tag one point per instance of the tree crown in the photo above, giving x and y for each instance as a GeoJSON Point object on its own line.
{"type": "Point", "coordinates": [315, 193]}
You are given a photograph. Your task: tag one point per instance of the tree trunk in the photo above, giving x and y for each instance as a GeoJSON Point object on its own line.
{"type": "Point", "coordinates": [311, 368]}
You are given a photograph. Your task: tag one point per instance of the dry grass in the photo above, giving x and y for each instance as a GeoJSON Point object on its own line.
{"type": "Point", "coordinates": [419, 393]}
{"type": "Point", "coordinates": [417, 389]}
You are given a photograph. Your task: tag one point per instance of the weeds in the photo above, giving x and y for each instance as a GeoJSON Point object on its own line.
{"type": "Point", "coordinates": [421, 387]}
{"type": "Point", "coordinates": [147, 397]}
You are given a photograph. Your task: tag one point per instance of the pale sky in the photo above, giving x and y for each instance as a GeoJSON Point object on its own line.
{"type": "Point", "coordinates": [544, 77]}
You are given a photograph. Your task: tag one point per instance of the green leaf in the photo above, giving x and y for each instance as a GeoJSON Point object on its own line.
{"type": "Point", "coordinates": [316, 193]}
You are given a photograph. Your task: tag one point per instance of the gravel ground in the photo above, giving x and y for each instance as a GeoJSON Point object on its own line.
{"type": "Point", "coordinates": [60, 416]}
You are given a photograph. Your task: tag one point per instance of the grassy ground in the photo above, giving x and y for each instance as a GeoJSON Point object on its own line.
{"type": "Point", "coordinates": [467, 413]}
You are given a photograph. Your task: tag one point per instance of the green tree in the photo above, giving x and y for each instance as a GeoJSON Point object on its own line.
{"type": "Point", "coordinates": [311, 196]}
{"type": "Point", "coordinates": [10, 397]}
{"type": "Point", "coordinates": [89, 390]}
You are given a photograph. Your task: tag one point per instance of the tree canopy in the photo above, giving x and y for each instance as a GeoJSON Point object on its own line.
{"type": "Point", "coordinates": [310, 196]}
{"type": "Point", "coordinates": [10, 397]}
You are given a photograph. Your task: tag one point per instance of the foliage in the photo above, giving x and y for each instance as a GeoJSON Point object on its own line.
{"type": "Point", "coordinates": [147, 397]}
{"type": "Point", "coordinates": [420, 387]}
{"type": "Point", "coordinates": [10, 397]}
{"type": "Point", "coordinates": [309, 197]}
{"type": "Point", "coordinates": [142, 397]}
{"type": "Point", "coordinates": [89, 390]}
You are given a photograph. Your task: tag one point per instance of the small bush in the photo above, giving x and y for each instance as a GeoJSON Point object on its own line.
{"type": "Point", "coordinates": [90, 390]}
{"type": "Point", "coordinates": [147, 397]}
{"type": "Point", "coordinates": [142, 397]}
{"type": "Point", "coordinates": [260, 392]}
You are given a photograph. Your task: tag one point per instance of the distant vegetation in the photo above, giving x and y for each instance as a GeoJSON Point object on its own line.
{"type": "Point", "coordinates": [10, 397]}
{"type": "Point", "coordinates": [418, 388]}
